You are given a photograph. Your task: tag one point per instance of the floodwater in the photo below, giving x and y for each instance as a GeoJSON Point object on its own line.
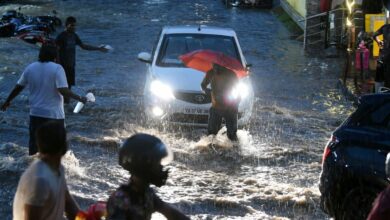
{"type": "Point", "coordinates": [274, 172]}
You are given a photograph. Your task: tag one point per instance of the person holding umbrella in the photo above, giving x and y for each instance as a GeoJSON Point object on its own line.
{"type": "Point", "coordinates": [224, 100]}
{"type": "Point", "coordinates": [222, 73]}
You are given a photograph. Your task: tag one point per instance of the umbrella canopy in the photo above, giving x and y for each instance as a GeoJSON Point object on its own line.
{"type": "Point", "coordinates": [203, 60]}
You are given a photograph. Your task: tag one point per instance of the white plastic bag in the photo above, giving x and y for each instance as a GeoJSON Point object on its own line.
{"type": "Point", "coordinates": [90, 98]}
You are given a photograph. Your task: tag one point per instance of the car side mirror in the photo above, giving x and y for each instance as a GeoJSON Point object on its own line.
{"type": "Point", "coordinates": [248, 66]}
{"type": "Point", "coordinates": [145, 57]}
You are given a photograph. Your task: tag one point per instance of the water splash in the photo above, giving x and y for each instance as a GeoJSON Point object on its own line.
{"type": "Point", "coordinates": [14, 158]}
{"type": "Point", "coordinates": [72, 165]}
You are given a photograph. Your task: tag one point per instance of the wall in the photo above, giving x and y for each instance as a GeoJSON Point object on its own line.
{"type": "Point", "coordinates": [299, 6]}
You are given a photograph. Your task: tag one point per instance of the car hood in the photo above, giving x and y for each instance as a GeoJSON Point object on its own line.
{"type": "Point", "coordinates": [179, 78]}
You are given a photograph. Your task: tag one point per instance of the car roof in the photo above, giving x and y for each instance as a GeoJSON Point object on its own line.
{"type": "Point", "coordinates": [198, 29]}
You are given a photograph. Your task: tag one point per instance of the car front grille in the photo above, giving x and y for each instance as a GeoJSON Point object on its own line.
{"type": "Point", "coordinates": [192, 118]}
{"type": "Point", "coordinates": [193, 97]}
{"type": "Point", "coordinates": [188, 118]}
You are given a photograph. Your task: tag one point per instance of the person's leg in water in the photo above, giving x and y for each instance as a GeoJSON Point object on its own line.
{"type": "Point", "coordinates": [215, 121]}
{"type": "Point", "coordinates": [379, 75]}
{"type": "Point", "coordinates": [231, 123]}
{"type": "Point", "coordinates": [386, 72]}
{"type": "Point", "coordinates": [70, 77]}
{"type": "Point", "coordinates": [35, 123]}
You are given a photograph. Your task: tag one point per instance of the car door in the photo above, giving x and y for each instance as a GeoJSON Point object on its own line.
{"type": "Point", "coordinates": [375, 127]}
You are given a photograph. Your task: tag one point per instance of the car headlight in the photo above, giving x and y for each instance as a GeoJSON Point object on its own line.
{"type": "Point", "coordinates": [161, 90]}
{"type": "Point", "coordinates": [240, 91]}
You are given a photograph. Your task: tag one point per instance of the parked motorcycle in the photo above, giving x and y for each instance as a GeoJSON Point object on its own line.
{"type": "Point", "coordinates": [32, 29]}
{"type": "Point", "coordinates": [34, 37]}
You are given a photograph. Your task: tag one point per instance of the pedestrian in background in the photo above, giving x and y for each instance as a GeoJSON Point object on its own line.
{"type": "Point", "coordinates": [224, 102]}
{"type": "Point", "coordinates": [42, 192]}
{"type": "Point", "coordinates": [66, 42]}
{"type": "Point", "coordinates": [383, 68]}
{"type": "Point", "coordinates": [144, 156]}
{"type": "Point", "coordinates": [47, 85]}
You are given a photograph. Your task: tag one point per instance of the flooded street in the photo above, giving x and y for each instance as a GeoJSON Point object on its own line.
{"type": "Point", "coordinates": [272, 175]}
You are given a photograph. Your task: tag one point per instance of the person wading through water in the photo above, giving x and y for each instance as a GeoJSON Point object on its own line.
{"type": "Point", "coordinates": [42, 192]}
{"type": "Point", "coordinates": [224, 103]}
{"type": "Point", "coordinates": [47, 85]}
{"type": "Point", "coordinates": [66, 42]}
{"type": "Point", "coordinates": [144, 156]}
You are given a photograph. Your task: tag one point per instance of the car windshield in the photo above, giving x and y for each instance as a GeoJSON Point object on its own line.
{"type": "Point", "coordinates": [175, 45]}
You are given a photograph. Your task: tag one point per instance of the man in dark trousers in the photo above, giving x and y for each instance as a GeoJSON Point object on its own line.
{"type": "Point", "coordinates": [66, 42]}
{"type": "Point", "coordinates": [47, 85]}
{"type": "Point", "coordinates": [224, 102]}
{"type": "Point", "coordinates": [384, 56]}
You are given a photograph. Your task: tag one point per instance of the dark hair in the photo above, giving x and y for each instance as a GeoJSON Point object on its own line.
{"type": "Point", "coordinates": [48, 52]}
{"type": "Point", "coordinates": [70, 20]}
{"type": "Point", "coordinates": [51, 138]}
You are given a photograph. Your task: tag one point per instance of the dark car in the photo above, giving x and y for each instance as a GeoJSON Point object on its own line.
{"type": "Point", "coordinates": [353, 163]}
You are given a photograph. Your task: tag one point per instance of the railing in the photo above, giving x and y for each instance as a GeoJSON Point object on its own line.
{"type": "Point", "coordinates": [328, 28]}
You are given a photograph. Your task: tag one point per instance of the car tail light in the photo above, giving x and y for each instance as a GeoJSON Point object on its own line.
{"type": "Point", "coordinates": [332, 141]}
{"type": "Point", "coordinates": [326, 153]}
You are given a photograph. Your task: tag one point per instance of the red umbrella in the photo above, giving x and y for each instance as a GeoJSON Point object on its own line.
{"type": "Point", "coordinates": [203, 60]}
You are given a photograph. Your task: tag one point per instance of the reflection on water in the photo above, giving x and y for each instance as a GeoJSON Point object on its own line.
{"type": "Point", "coordinates": [270, 173]}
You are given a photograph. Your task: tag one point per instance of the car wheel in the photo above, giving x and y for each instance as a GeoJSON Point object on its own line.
{"type": "Point", "coordinates": [357, 203]}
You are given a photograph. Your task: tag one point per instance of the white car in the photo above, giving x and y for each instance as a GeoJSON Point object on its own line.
{"type": "Point", "coordinates": [172, 91]}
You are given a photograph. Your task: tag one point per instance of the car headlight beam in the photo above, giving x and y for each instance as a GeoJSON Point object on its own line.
{"type": "Point", "coordinates": [157, 111]}
{"type": "Point", "coordinates": [239, 91]}
{"type": "Point", "coordinates": [161, 90]}
{"type": "Point", "coordinates": [243, 90]}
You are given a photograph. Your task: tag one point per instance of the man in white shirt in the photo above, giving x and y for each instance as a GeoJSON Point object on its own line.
{"type": "Point", "coordinates": [47, 86]}
{"type": "Point", "coordinates": [42, 192]}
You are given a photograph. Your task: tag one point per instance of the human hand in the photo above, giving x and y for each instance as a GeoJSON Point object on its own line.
{"type": "Point", "coordinates": [381, 44]}
{"type": "Point", "coordinates": [83, 99]}
{"type": "Point", "coordinates": [5, 106]}
{"type": "Point", "coordinates": [207, 91]}
{"type": "Point", "coordinates": [103, 49]}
